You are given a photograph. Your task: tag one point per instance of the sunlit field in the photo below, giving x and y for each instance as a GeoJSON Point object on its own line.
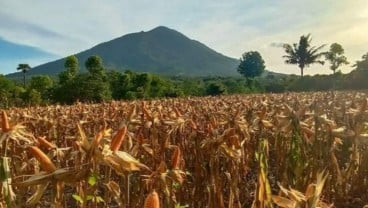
{"type": "Point", "coordinates": [267, 150]}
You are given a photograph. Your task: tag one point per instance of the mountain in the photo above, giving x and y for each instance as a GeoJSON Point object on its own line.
{"type": "Point", "coordinates": [161, 50]}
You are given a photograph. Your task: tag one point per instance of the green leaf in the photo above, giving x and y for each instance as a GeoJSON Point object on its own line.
{"type": "Point", "coordinates": [99, 199]}
{"type": "Point", "coordinates": [181, 206]}
{"type": "Point", "coordinates": [89, 197]}
{"type": "Point", "coordinates": [92, 179]}
{"type": "Point", "coordinates": [77, 198]}
{"type": "Point", "coordinates": [176, 186]}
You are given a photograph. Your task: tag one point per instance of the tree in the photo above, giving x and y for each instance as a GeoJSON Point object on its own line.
{"type": "Point", "coordinates": [42, 84]}
{"type": "Point", "coordinates": [71, 69]}
{"type": "Point", "coordinates": [192, 86]}
{"type": "Point", "coordinates": [303, 54]}
{"type": "Point", "coordinates": [91, 89]}
{"type": "Point", "coordinates": [251, 66]}
{"type": "Point", "coordinates": [357, 79]}
{"type": "Point", "coordinates": [142, 84]}
{"type": "Point", "coordinates": [94, 65]}
{"type": "Point", "coordinates": [93, 86]}
{"type": "Point", "coordinates": [114, 78]}
{"type": "Point", "coordinates": [24, 68]}
{"type": "Point", "coordinates": [235, 85]}
{"type": "Point", "coordinates": [363, 64]}
{"type": "Point", "coordinates": [71, 64]}
{"type": "Point", "coordinates": [6, 88]}
{"type": "Point", "coordinates": [336, 57]}
{"type": "Point", "coordinates": [32, 97]}
{"type": "Point", "coordinates": [215, 88]}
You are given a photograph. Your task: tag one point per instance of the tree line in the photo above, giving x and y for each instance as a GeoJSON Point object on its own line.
{"type": "Point", "coordinates": [99, 84]}
{"type": "Point", "coordinates": [301, 54]}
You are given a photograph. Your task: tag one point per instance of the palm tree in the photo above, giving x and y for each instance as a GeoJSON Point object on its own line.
{"type": "Point", "coordinates": [24, 68]}
{"type": "Point", "coordinates": [303, 54]}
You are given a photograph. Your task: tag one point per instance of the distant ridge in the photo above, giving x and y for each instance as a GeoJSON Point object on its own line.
{"type": "Point", "coordinates": [161, 50]}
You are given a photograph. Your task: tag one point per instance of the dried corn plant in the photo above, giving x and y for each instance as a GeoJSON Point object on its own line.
{"type": "Point", "coordinates": [230, 151]}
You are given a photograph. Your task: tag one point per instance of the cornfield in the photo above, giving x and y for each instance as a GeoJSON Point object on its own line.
{"type": "Point", "coordinates": [276, 150]}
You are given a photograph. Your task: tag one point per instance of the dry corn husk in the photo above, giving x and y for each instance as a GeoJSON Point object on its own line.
{"type": "Point", "coordinates": [43, 159]}
{"type": "Point", "coordinates": [152, 200]}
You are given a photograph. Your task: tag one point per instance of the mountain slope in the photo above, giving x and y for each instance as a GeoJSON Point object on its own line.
{"type": "Point", "coordinates": [161, 50]}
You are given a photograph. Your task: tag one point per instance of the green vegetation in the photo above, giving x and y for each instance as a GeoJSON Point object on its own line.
{"type": "Point", "coordinates": [363, 64]}
{"type": "Point", "coordinates": [99, 83]}
{"type": "Point", "coordinates": [251, 66]}
{"type": "Point", "coordinates": [303, 54]}
{"type": "Point", "coordinates": [24, 68]}
{"type": "Point", "coordinates": [336, 57]}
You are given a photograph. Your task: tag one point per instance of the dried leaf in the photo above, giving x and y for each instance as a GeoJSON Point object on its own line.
{"type": "Point", "coordinates": [283, 202]}
{"type": "Point", "coordinates": [267, 124]}
{"type": "Point", "coordinates": [114, 188]}
{"type": "Point", "coordinates": [35, 198]}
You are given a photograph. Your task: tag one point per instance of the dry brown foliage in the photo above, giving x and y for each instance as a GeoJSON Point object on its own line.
{"type": "Point", "coordinates": [290, 150]}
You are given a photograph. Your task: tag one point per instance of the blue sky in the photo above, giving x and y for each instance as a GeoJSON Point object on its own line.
{"type": "Point", "coordinates": [46, 30]}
